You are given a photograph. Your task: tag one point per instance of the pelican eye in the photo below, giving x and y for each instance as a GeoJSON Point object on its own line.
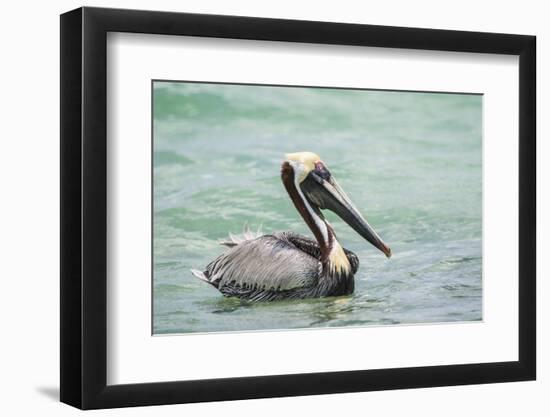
{"type": "Point", "coordinates": [322, 171]}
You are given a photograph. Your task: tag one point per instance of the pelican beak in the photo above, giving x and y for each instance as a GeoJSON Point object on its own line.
{"type": "Point", "coordinates": [327, 194]}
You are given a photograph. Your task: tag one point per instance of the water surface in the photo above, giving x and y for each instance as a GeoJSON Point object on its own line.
{"type": "Point", "coordinates": [411, 162]}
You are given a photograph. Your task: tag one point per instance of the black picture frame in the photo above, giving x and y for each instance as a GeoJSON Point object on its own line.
{"type": "Point", "coordinates": [84, 207]}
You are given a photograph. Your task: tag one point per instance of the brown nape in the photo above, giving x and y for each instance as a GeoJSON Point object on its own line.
{"type": "Point", "coordinates": [287, 176]}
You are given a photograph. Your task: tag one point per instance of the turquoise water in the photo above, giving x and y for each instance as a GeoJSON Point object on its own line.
{"type": "Point", "coordinates": [411, 162]}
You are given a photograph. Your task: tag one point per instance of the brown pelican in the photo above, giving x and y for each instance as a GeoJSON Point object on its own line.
{"type": "Point", "coordinates": [286, 265]}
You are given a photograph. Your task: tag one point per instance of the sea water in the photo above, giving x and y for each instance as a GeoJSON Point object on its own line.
{"type": "Point", "coordinates": [411, 162]}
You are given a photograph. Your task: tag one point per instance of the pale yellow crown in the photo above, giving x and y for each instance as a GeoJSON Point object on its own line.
{"type": "Point", "coordinates": [302, 162]}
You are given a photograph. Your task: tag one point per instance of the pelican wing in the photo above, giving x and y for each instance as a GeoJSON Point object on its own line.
{"type": "Point", "coordinates": [269, 262]}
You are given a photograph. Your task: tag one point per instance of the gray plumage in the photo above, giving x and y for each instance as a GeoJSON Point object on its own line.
{"type": "Point", "coordinates": [281, 265]}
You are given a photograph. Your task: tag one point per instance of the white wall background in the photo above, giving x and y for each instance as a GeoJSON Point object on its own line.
{"type": "Point", "coordinates": [29, 226]}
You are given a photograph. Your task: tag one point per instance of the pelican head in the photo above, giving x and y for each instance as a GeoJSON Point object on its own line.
{"type": "Point", "coordinates": [312, 188]}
